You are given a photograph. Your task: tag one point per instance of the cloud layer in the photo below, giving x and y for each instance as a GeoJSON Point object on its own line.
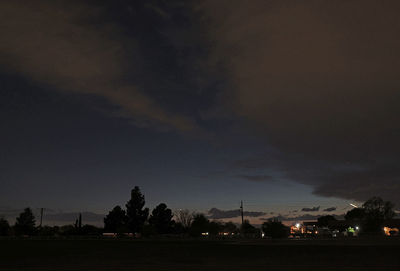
{"type": "Point", "coordinates": [314, 209]}
{"type": "Point", "coordinates": [69, 46]}
{"type": "Point", "coordinates": [318, 80]}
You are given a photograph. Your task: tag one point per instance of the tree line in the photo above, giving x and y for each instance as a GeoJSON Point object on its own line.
{"type": "Point", "coordinates": [25, 225]}
{"type": "Point", "coordinates": [138, 220]}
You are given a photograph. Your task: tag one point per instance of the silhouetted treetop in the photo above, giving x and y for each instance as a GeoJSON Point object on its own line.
{"type": "Point", "coordinates": [137, 215]}
{"type": "Point", "coordinates": [115, 219]}
{"type": "Point", "coordinates": [161, 218]}
{"type": "Point", "coordinates": [274, 229]}
{"type": "Point", "coordinates": [25, 223]}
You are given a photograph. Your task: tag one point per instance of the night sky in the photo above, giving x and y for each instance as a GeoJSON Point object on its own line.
{"type": "Point", "coordinates": [289, 106]}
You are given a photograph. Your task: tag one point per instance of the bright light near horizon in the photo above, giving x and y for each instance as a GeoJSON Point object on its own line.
{"type": "Point", "coordinates": [353, 205]}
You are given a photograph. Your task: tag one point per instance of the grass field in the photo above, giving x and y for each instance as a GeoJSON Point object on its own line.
{"type": "Point", "coordinates": [380, 253]}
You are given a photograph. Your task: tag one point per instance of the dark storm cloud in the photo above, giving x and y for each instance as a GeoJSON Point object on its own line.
{"type": "Point", "coordinates": [215, 213]}
{"type": "Point", "coordinates": [315, 82]}
{"type": "Point", "coordinates": [379, 179]}
{"type": "Point", "coordinates": [69, 46]}
{"type": "Point", "coordinates": [316, 79]}
{"type": "Point", "coordinates": [330, 209]}
{"type": "Point", "coordinates": [304, 217]}
{"type": "Point", "coordinates": [257, 178]}
{"type": "Point", "coordinates": [314, 209]}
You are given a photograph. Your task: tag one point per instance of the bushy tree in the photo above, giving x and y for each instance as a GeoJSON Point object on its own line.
{"type": "Point", "coordinates": [247, 227]}
{"type": "Point", "coordinates": [184, 217]}
{"type": "Point", "coordinates": [355, 213]}
{"type": "Point", "coordinates": [67, 230]}
{"type": "Point", "coordinates": [215, 226]}
{"type": "Point", "coordinates": [88, 229]}
{"type": "Point", "coordinates": [199, 225]}
{"type": "Point", "coordinates": [136, 213]}
{"type": "Point", "coordinates": [4, 227]}
{"type": "Point", "coordinates": [48, 231]}
{"type": "Point", "coordinates": [115, 219]}
{"type": "Point", "coordinates": [376, 211]}
{"type": "Point", "coordinates": [200, 221]}
{"type": "Point", "coordinates": [161, 218]}
{"type": "Point", "coordinates": [230, 227]}
{"type": "Point", "coordinates": [25, 223]}
{"type": "Point", "coordinates": [274, 229]}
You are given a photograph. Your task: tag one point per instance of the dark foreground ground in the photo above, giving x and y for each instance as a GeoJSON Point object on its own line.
{"type": "Point", "coordinates": [358, 253]}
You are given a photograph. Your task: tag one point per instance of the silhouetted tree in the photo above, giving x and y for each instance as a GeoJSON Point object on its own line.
{"type": "Point", "coordinates": [137, 216]}
{"type": "Point", "coordinates": [48, 230]}
{"type": "Point", "coordinates": [4, 227]}
{"type": "Point", "coordinates": [177, 228]}
{"type": "Point", "coordinates": [274, 229]}
{"type": "Point", "coordinates": [115, 219]}
{"type": "Point", "coordinates": [161, 218]}
{"type": "Point", "coordinates": [88, 229]}
{"type": "Point", "coordinates": [376, 211]}
{"type": "Point", "coordinates": [25, 223]}
{"type": "Point", "coordinates": [200, 221]}
{"type": "Point", "coordinates": [67, 230]}
{"type": "Point", "coordinates": [325, 219]}
{"type": "Point", "coordinates": [247, 227]}
{"type": "Point", "coordinates": [230, 227]}
{"type": "Point", "coordinates": [215, 226]}
{"type": "Point", "coordinates": [78, 225]}
{"type": "Point", "coordinates": [184, 217]}
{"type": "Point", "coordinates": [198, 225]}
{"type": "Point", "coordinates": [355, 213]}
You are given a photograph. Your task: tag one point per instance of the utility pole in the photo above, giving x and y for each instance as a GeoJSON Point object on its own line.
{"type": "Point", "coordinates": [241, 210]}
{"type": "Point", "coordinates": [41, 216]}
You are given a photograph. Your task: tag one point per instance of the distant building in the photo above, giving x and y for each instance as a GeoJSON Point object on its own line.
{"type": "Point", "coordinates": [343, 227]}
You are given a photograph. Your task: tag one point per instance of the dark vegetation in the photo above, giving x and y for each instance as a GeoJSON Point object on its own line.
{"type": "Point", "coordinates": [137, 220]}
{"type": "Point", "coordinates": [275, 253]}
{"type": "Point", "coordinates": [275, 229]}
{"type": "Point", "coordinates": [374, 211]}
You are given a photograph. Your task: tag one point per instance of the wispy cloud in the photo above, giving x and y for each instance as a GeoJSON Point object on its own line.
{"type": "Point", "coordinates": [314, 209]}
{"type": "Point", "coordinates": [305, 217]}
{"type": "Point", "coordinates": [56, 43]}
